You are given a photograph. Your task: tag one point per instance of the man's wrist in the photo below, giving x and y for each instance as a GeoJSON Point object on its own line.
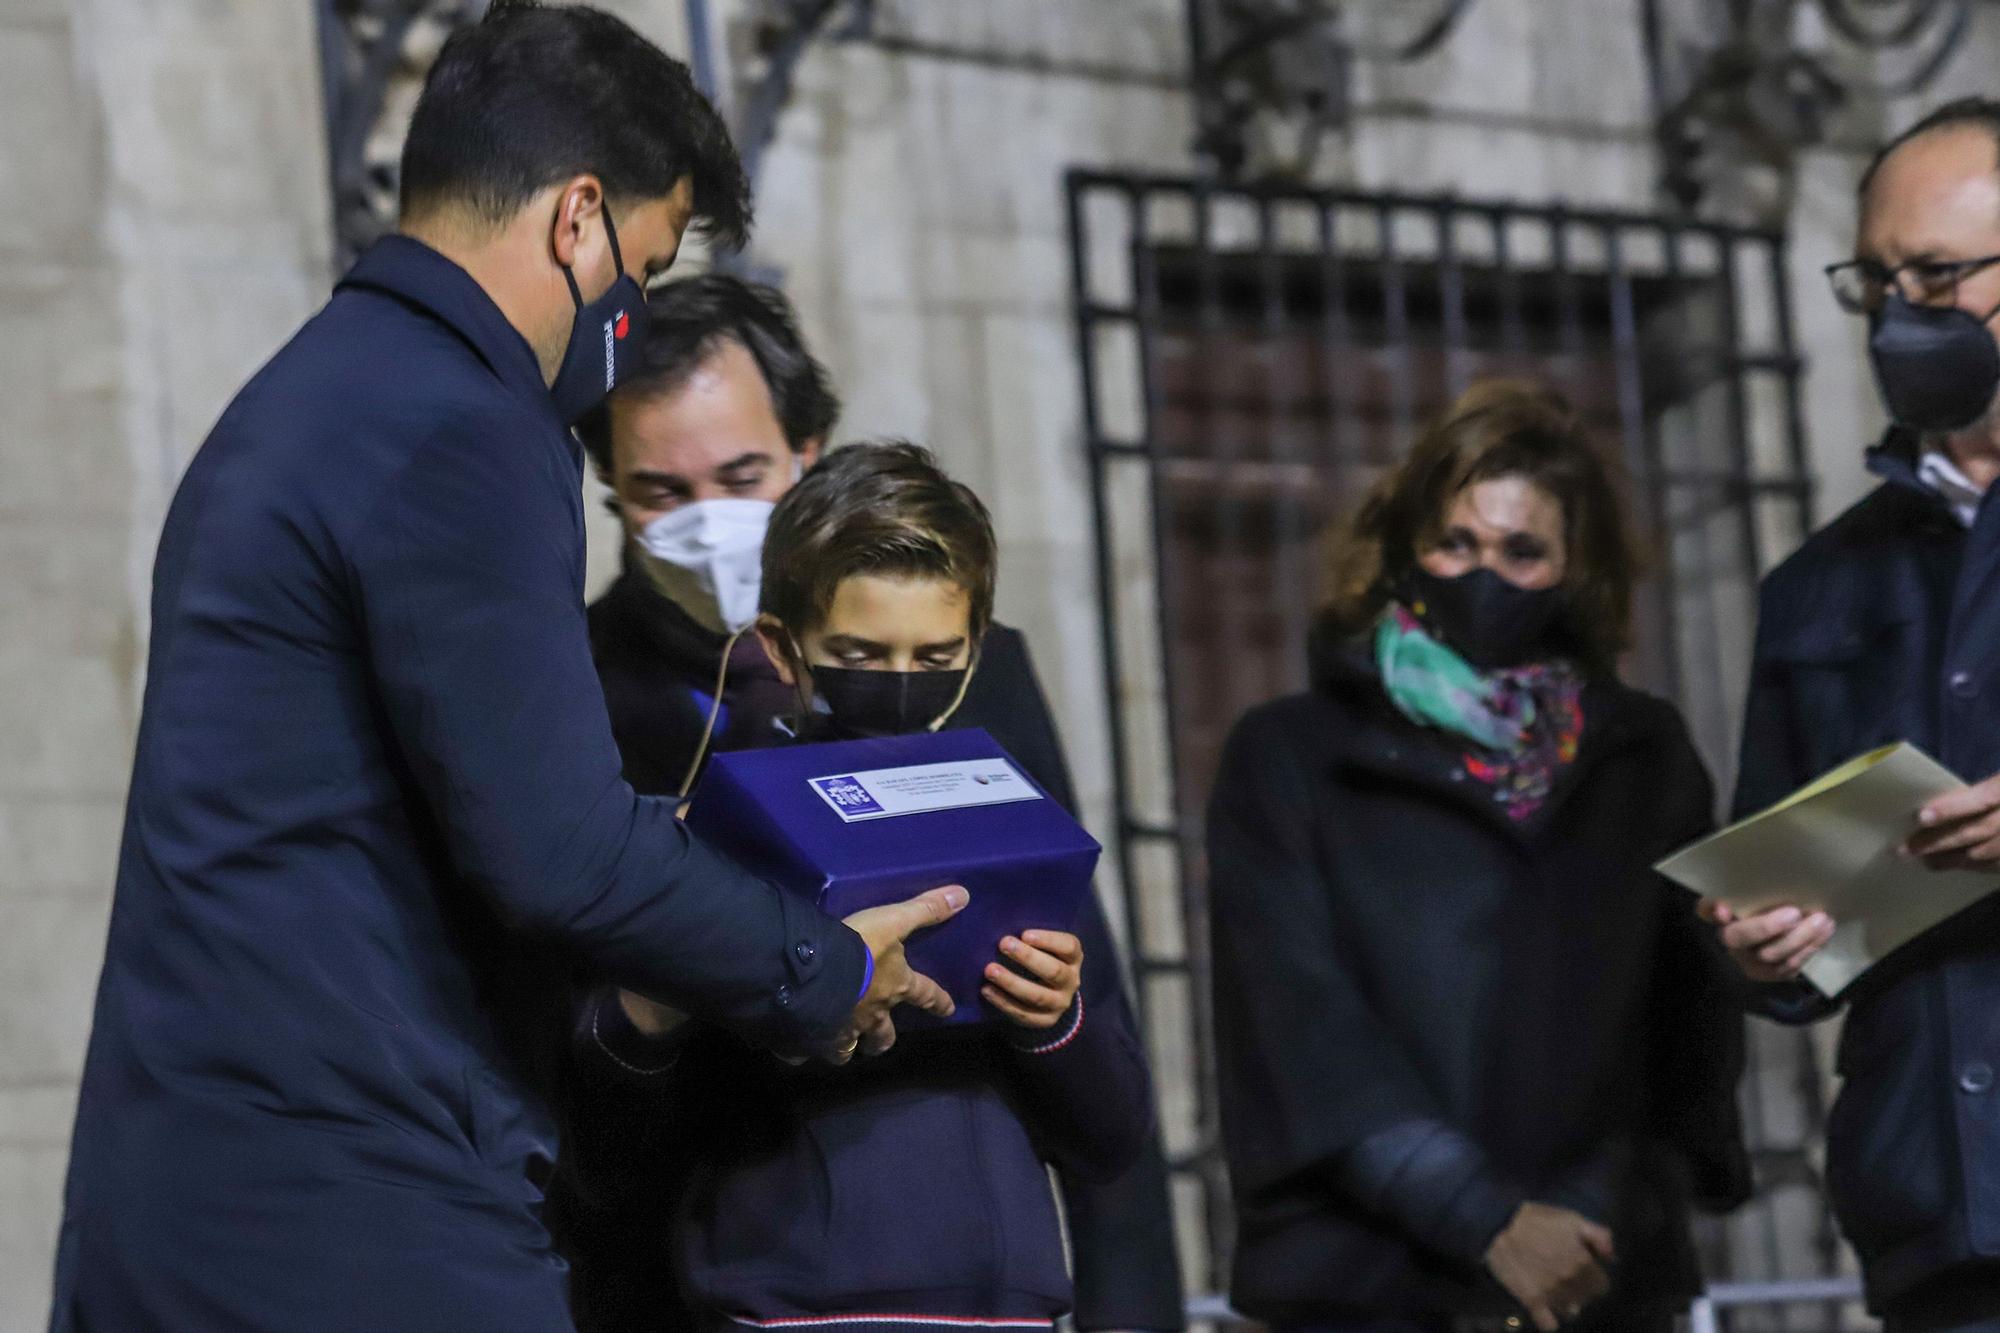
{"type": "Point", "coordinates": [867, 971]}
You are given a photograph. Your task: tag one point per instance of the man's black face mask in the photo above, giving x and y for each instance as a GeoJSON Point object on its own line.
{"type": "Point", "coordinates": [605, 339]}
{"type": "Point", "coordinates": [1937, 366]}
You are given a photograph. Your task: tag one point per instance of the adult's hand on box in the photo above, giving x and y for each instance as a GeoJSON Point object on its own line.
{"type": "Point", "coordinates": [1053, 962]}
{"type": "Point", "coordinates": [884, 929]}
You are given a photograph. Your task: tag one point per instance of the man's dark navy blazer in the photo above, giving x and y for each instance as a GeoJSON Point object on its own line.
{"type": "Point", "coordinates": [375, 811]}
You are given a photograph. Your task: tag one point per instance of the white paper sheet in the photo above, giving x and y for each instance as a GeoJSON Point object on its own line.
{"type": "Point", "coordinates": [1834, 846]}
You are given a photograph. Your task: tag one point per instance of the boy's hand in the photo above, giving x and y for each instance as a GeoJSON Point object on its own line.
{"type": "Point", "coordinates": [1053, 961]}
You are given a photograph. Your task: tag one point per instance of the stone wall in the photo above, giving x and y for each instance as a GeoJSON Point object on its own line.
{"type": "Point", "coordinates": [163, 225]}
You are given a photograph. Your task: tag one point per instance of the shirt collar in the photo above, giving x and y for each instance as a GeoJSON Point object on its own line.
{"type": "Point", "coordinates": [406, 268]}
{"type": "Point", "coordinates": [1904, 460]}
{"type": "Point", "coordinates": [1937, 471]}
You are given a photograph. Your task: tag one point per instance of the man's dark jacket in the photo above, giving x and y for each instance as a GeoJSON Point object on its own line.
{"type": "Point", "coordinates": [1428, 1014]}
{"type": "Point", "coordinates": [1884, 627]}
{"type": "Point", "coordinates": [658, 669]}
{"type": "Point", "coordinates": [376, 809]}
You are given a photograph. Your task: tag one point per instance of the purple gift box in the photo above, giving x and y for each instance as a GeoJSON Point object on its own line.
{"type": "Point", "coordinates": [855, 824]}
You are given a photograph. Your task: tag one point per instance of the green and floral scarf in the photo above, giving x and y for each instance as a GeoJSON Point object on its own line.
{"type": "Point", "coordinates": [1525, 723]}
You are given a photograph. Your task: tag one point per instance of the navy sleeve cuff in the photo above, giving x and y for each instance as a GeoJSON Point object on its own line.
{"type": "Point", "coordinates": [1790, 1002]}
{"type": "Point", "coordinates": [1434, 1182]}
{"type": "Point", "coordinates": [1047, 1041]}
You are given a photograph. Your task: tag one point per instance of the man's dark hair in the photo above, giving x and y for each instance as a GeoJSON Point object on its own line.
{"type": "Point", "coordinates": [1983, 112]}
{"type": "Point", "coordinates": [690, 321]}
{"type": "Point", "coordinates": [533, 95]}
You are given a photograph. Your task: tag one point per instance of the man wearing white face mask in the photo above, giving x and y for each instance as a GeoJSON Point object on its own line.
{"type": "Point", "coordinates": [728, 411]}
{"type": "Point", "coordinates": [725, 414]}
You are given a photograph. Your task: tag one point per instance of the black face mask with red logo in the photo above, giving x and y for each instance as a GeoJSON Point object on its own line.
{"type": "Point", "coordinates": [604, 342]}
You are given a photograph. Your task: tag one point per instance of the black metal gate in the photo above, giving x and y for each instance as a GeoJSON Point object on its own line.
{"type": "Point", "coordinates": [1252, 357]}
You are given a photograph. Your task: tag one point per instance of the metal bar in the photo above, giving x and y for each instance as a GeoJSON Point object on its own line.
{"type": "Point", "coordinates": [1277, 191]}
{"type": "Point", "coordinates": [1794, 367]}
{"type": "Point", "coordinates": [701, 50]}
{"type": "Point", "coordinates": [1337, 338]}
{"type": "Point", "coordinates": [1741, 456]}
{"type": "Point", "coordinates": [1736, 488]}
{"type": "Point", "coordinates": [1218, 327]}
{"type": "Point", "coordinates": [1194, 891]}
{"type": "Point", "coordinates": [1794, 1291]}
{"type": "Point", "coordinates": [1451, 285]}
{"type": "Point", "coordinates": [1214, 1307]}
{"type": "Point", "coordinates": [1725, 483]}
{"type": "Point", "coordinates": [1099, 311]}
{"type": "Point", "coordinates": [1656, 462]}
{"type": "Point", "coordinates": [1638, 450]}
{"type": "Point", "coordinates": [1141, 828]}
{"type": "Point", "coordinates": [1107, 591]}
{"type": "Point", "coordinates": [1569, 317]}
{"type": "Point", "coordinates": [1513, 323]}
{"type": "Point", "coordinates": [1396, 325]}
{"type": "Point", "coordinates": [1293, 611]}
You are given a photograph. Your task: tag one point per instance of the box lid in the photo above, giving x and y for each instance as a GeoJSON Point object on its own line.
{"type": "Point", "coordinates": [946, 797]}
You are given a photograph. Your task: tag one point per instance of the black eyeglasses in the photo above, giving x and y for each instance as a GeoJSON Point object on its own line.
{"type": "Point", "coordinates": [1862, 285]}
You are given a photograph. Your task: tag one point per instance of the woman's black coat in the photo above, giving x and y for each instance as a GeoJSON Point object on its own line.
{"type": "Point", "coordinates": [1426, 1015]}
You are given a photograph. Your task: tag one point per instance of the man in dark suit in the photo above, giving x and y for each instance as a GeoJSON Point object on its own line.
{"type": "Point", "coordinates": [1885, 627]}
{"type": "Point", "coordinates": [728, 410]}
{"type": "Point", "coordinates": [376, 808]}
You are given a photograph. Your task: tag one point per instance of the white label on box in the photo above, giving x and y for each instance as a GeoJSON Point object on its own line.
{"type": "Point", "coordinates": [881, 793]}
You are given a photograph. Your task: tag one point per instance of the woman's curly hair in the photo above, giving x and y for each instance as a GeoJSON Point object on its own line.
{"type": "Point", "coordinates": [1497, 428]}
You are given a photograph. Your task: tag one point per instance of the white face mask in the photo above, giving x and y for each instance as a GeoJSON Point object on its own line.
{"type": "Point", "coordinates": [709, 557]}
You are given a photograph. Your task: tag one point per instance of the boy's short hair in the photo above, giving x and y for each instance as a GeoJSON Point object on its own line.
{"type": "Point", "coordinates": [878, 508]}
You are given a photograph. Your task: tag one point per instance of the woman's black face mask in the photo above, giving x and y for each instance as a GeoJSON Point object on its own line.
{"type": "Point", "coordinates": [1483, 617]}
{"type": "Point", "coordinates": [862, 704]}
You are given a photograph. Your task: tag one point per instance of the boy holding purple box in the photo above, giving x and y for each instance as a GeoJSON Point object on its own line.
{"type": "Point", "coordinates": [795, 1187]}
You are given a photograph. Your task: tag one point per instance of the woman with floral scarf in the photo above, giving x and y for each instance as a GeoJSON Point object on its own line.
{"type": "Point", "coordinates": [1476, 1058]}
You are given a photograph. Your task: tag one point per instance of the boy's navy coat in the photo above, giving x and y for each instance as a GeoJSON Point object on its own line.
{"type": "Point", "coordinates": [376, 807]}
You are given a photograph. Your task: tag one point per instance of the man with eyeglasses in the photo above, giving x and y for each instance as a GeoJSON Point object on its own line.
{"type": "Point", "coordinates": [1885, 626]}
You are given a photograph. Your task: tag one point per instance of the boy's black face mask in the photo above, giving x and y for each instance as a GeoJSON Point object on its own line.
{"type": "Point", "coordinates": [863, 704]}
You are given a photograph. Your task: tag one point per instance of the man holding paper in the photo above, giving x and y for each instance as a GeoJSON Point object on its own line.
{"type": "Point", "coordinates": [1885, 628]}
